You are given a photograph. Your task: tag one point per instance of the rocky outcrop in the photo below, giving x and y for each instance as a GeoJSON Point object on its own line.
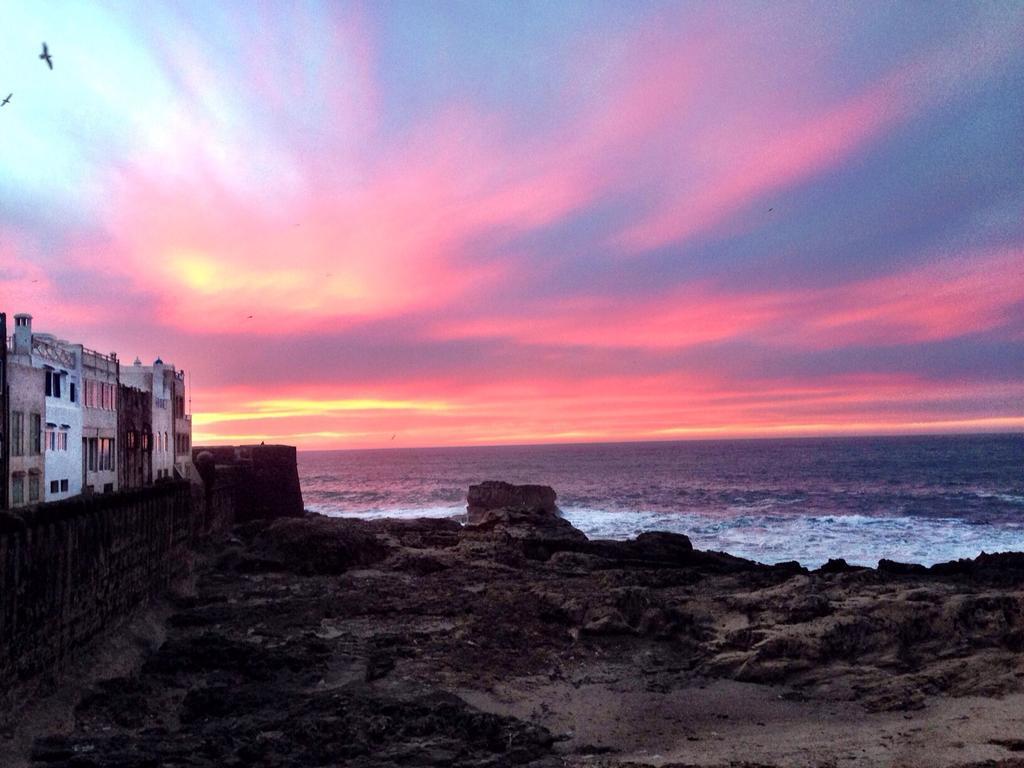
{"type": "Point", "coordinates": [494, 494]}
{"type": "Point", "coordinates": [313, 545]}
{"type": "Point", "coordinates": [320, 641]}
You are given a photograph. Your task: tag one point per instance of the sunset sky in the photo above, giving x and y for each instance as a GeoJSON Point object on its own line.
{"type": "Point", "coordinates": [477, 223]}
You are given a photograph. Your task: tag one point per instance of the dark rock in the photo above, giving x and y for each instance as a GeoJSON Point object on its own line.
{"type": "Point", "coordinates": [327, 545]}
{"type": "Point", "coordinates": [838, 565]}
{"type": "Point", "coordinates": [900, 569]}
{"type": "Point", "coordinates": [378, 665]}
{"type": "Point", "coordinates": [422, 532]}
{"type": "Point", "coordinates": [538, 533]}
{"type": "Point", "coordinates": [999, 568]}
{"type": "Point", "coordinates": [419, 564]}
{"type": "Point", "coordinates": [495, 494]}
{"type": "Point", "coordinates": [647, 548]}
{"type": "Point", "coordinates": [807, 609]}
{"type": "Point", "coordinates": [788, 567]}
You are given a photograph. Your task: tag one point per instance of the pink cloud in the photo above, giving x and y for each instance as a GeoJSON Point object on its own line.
{"type": "Point", "coordinates": [947, 298]}
{"type": "Point", "coordinates": [757, 148]}
{"type": "Point", "coordinates": [944, 299]}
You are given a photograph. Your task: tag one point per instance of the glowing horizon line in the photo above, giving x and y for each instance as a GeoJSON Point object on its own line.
{"type": "Point", "coordinates": [1002, 425]}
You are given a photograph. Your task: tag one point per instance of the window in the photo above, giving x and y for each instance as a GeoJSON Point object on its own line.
{"type": "Point", "coordinates": [17, 438]}
{"type": "Point", "coordinates": [17, 490]}
{"type": "Point", "coordinates": [35, 435]}
{"type": "Point", "coordinates": [106, 448]}
{"type": "Point", "coordinates": [71, 391]}
{"type": "Point", "coordinates": [63, 486]}
{"type": "Point", "coordinates": [91, 454]}
{"type": "Point", "coordinates": [33, 487]}
{"type": "Point", "coordinates": [54, 486]}
{"type": "Point", "coordinates": [53, 383]}
{"type": "Point", "coordinates": [55, 440]}
{"type": "Point", "coordinates": [99, 394]}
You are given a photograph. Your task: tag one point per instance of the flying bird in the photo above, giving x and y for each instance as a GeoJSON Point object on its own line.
{"type": "Point", "coordinates": [6, 101]}
{"type": "Point", "coordinates": [45, 56]}
{"type": "Point", "coordinates": [770, 210]}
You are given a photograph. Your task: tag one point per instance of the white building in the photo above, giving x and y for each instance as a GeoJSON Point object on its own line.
{"type": "Point", "coordinates": [61, 363]}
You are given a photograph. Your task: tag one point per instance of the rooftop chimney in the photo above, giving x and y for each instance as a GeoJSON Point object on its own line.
{"type": "Point", "coordinates": [22, 334]}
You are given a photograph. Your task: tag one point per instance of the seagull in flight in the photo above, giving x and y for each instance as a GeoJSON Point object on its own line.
{"type": "Point", "coordinates": [45, 56]}
{"type": "Point", "coordinates": [6, 101]}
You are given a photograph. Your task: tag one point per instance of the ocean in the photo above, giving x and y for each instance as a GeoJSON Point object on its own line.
{"type": "Point", "coordinates": [915, 499]}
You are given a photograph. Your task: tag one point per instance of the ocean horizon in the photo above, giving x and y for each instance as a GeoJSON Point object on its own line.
{"type": "Point", "coordinates": [915, 498]}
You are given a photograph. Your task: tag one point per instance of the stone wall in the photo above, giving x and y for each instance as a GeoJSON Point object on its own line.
{"type": "Point", "coordinates": [267, 483]}
{"type": "Point", "coordinates": [71, 569]}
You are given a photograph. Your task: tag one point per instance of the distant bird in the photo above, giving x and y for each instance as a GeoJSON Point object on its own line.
{"type": "Point", "coordinates": [249, 317]}
{"type": "Point", "coordinates": [45, 56]}
{"type": "Point", "coordinates": [770, 210]}
{"type": "Point", "coordinates": [392, 437]}
{"type": "Point", "coordinates": [6, 101]}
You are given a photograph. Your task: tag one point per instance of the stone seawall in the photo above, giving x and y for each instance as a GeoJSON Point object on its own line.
{"type": "Point", "coordinates": [266, 478]}
{"type": "Point", "coordinates": [70, 570]}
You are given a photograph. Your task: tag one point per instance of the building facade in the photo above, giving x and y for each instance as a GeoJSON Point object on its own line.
{"type": "Point", "coordinates": [4, 466]}
{"type": "Point", "coordinates": [99, 421]}
{"type": "Point", "coordinates": [61, 363]}
{"type": "Point", "coordinates": [182, 429]}
{"type": "Point", "coordinates": [134, 437]}
{"type": "Point", "coordinates": [73, 420]}
{"type": "Point", "coordinates": [159, 380]}
{"type": "Point", "coordinates": [26, 410]}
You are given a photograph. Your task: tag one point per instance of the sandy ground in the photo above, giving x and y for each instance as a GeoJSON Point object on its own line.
{"type": "Point", "coordinates": [725, 723]}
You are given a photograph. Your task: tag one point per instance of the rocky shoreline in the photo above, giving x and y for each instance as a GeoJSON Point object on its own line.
{"type": "Point", "coordinates": [515, 640]}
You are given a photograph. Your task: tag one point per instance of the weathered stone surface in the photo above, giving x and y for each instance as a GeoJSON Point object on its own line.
{"type": "Point", "coordinates": [494, 494]}
{"type": "Point", "coordinates": [319, 544]}
{"type": "Point", "coordinates": [70, 569]}
{"type": "Point", "coordinates": [265, 479]}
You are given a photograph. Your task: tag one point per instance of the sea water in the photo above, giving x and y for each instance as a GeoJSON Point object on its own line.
{"type": "Point", "coordinates": [917, 499]}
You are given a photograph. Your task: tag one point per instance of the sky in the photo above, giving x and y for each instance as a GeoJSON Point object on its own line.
{"type": "Point", "coordinates": [463, 223]}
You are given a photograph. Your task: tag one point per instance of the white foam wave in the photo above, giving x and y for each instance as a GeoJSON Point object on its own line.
{"type": "Point", "coordinates": [772, 538]}
{"type": "Point", "coordinates": [812, 539]}
{"type": "Point", "coordinates": [378, 513]}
